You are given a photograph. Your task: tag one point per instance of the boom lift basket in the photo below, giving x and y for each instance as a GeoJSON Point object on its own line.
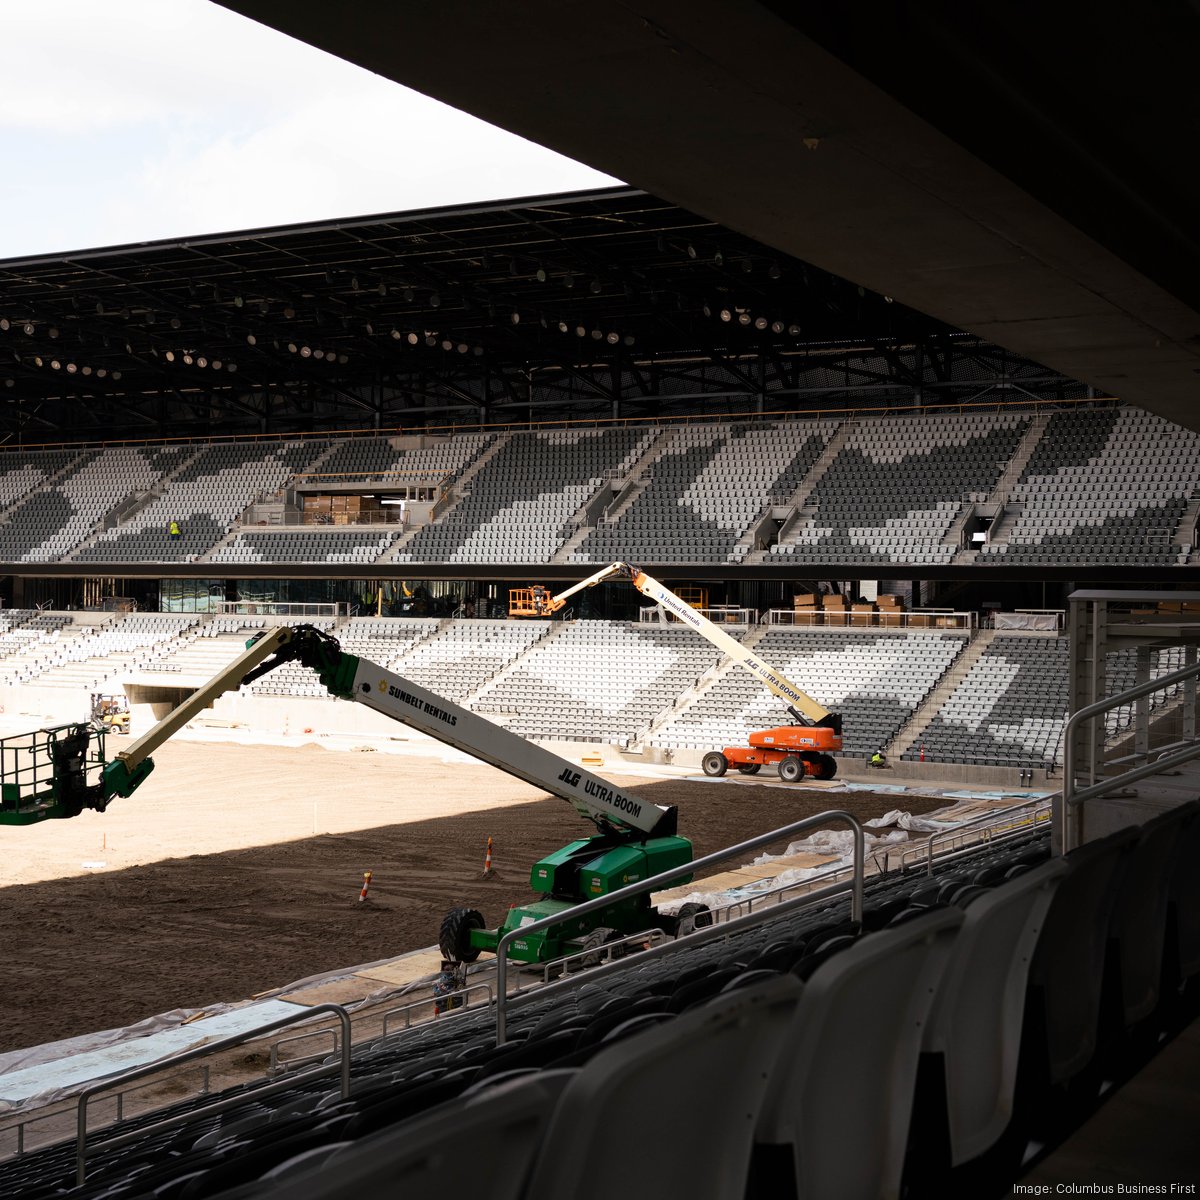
{"type": "Point", "coordinates": [48, 773]}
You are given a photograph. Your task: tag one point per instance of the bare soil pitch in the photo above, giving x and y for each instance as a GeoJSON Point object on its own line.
{"type": "Point", "coordinates": [217, 889]}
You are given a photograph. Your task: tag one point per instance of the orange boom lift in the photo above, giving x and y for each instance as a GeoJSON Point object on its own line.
{"type": "Point", "coordinates": [797, 751]}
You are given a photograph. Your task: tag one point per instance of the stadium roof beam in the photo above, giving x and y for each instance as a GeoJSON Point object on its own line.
{"type": "Point", "coordinates": [957, 164]}
{"type": "Point", "coordinates": [142, 312]}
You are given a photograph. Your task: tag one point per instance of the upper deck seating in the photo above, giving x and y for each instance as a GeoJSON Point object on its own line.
{"type": "Point", "coordinates": [894, 490]}
{"type": "Point", "coordinates": [518, 506]}
{"type": "Point", "coordinates": [706, 488]}
{"type": "Point", "coordinates": [306, 546]}
{"type": "Point", "coordinates": [1104, 486]}
{"type": "Point", "coordinates": [204, 497]}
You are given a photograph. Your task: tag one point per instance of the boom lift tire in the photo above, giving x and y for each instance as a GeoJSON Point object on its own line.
{"type": "Point", "coordinates": [826, 766]}
{"type": "Point", "coordinates": [791, 769]}
{"type": "Point", "coordinates": [454, 940]}
{"type": "Point", "coordinates": [690, 917]}
{"type": "Point", "coordinates": [594, 942]}
{"type": "Point", "coordinates": [715, 764]}
{"type": "Point", "coordinates": [749, 768]}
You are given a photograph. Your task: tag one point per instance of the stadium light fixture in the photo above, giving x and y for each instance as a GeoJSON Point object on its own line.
{"type": "Point", "coordinates": [251, 340]}
{"type": "Point", "coordinates": [306, 352]}
{"type": "Point", "coordinates": [776, 326]}
{"type": "Point", "coordinates": [563, 327]}
{"type": "Point", "coordinates": [581, 331]}
{"type": "Point", "coordinates": [28, 328]}
{"type": "Point", "coordinates": [515, 317]}
{"type": "Point", "coordinates": [413, 339]}
{"type": "Point", "coordinates": [613, 338]}
{"type": "Point", "coordinates": [743, 318]}
{"type": "Point", "coordinates": [597, 335]}
{"type": "Point", "coordinates": [794, 330]}
{"type": "Point", "coordinates": [760, 323]}
{"type": "Point", "coordinates": [726, 314]}
{"type": "Point", "coordinates": [435, 301]}
{"type": "Point", "coordinates": [447, 344]}
{"type": "Point", "coordinates": [595, 287]}
{"type": "Point", "coordinates": [542, 276]}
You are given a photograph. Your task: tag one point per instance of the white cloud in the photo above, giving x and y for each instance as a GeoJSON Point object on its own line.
{"type": "Point", "coordinates": [136, 119]}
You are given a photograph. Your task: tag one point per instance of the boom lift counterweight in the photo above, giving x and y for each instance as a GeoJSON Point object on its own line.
{"type": "Point", "coordinates": [806, 748]}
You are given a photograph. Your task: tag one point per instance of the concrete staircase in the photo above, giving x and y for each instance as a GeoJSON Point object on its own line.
{"type": "Point", "coordinates": [910, 732]}
{"type": "Point", "coordinates": [1185, 530]}
{"type": "Point", "coordinates": [1020, 459]}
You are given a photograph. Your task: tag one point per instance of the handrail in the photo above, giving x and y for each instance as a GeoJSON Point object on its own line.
{"type": "Point", "coordinates": [981, 819]}
{"type": "Point", "coordinates": [1073, 798]}
{"type": "Point", "coordinates": [665, 877]}
{"type": "Point", "coordinates": [228, 1043]}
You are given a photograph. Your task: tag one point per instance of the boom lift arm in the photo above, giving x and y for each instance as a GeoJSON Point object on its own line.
{"type": "Point", "coordinates": [616, 813]}
{"type": "Point", "coordinates": [802, 706]}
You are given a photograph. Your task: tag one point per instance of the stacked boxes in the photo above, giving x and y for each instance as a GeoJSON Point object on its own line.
{"type": "Point", "coordinates": [806, 610]}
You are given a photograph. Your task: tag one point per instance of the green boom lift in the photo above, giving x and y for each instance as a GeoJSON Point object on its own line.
{"type": "Point", "coordinates": [634, 839]}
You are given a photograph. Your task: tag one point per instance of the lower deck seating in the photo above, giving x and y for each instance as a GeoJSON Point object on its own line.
{"type": "Point", "coordinates": [804, 1045]}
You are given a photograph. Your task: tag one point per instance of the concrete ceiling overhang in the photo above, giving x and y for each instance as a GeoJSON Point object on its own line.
{"type": "Point", "coordinates": [733, 110]}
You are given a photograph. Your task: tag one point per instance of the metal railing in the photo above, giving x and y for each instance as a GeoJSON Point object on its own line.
{"type": "Point", "coordinates": [342, 1068]}
{"type": "Point", "coordinates": [657, 882]}
{"type": "Point", "coordinates": [1072, 797]}
{"type": "Point", "coordinates": [406, 1010]}
{"type": "Point", "coordinates": [986, 827]}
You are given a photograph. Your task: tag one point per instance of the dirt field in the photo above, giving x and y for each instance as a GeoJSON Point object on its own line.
{"type": "Point", "coordinates": [236, 869]}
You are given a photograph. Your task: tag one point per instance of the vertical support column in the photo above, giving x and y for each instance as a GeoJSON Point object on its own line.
{"type": "Point", "coordinates": [1141, 709]}
{"type": "Point", "coordinates": [1083, 620]}
{"type": "Point", "coordinates": [1188, 714]}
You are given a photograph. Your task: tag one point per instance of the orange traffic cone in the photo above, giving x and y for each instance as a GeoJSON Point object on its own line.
{"type": "Point", "coordinates": [487, 859]}
{"type": "Point", "coordinates": [366, 884]}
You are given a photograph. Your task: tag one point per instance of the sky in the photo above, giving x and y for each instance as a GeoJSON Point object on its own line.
{"type": "Point", "coordinates": [132, 120]}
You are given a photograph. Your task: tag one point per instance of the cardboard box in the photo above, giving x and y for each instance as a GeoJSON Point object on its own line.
{"type": "Point", "coordinates": [889, 602]}
{"type": "Point", "coordinates": [891, 617]}
{"type": "Point", "coordinates": [805, 599]}
{"type": "Point", "coordinates": [919, 621]}
{"type": "Point", "coordinates": [862, 614]}
{"type": "Point", "coordinates": [808, 616]}
{"type": "Point", "coordinates": [833, 602]}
